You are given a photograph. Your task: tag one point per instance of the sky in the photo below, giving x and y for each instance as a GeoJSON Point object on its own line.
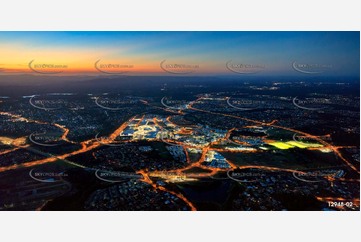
{"type": "Point", "coordinates": [198, 53]}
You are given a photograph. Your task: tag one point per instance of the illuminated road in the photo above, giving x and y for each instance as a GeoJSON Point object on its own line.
{"type": "Point", "coordinates": [272, 124]}
{"type": "Point", "coordinates": [92, 144]}
{"type": "Point", "coordinates": [149, 181]}
{"type": "Point", "coordinates": [335, 150]}
{"type": "Point", "coordinates": [86, 146]}
{"type": "Point", "coordinates": [9, 151]}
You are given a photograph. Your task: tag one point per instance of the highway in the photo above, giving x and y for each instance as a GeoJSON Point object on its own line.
{"type": "Point", "coordinates": [92, 144]}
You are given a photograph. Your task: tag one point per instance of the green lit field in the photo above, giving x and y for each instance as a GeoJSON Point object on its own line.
{"type": "Point", "coordinates": [293, 144]}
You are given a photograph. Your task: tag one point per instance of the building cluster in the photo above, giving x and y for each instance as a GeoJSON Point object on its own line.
{"type": "Point", "coordinates": [134, 195]}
